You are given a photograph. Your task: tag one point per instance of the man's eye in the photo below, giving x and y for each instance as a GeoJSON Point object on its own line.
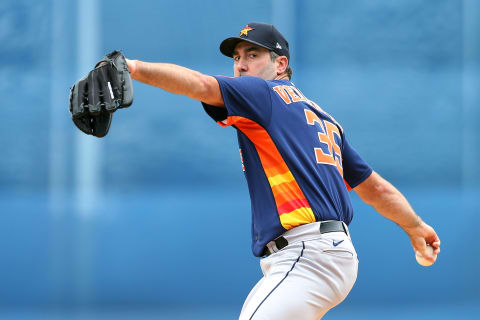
{"type": "Point", "coordinates": [236, 58]}
{"type": "Point", "coordinates": [253, 55]}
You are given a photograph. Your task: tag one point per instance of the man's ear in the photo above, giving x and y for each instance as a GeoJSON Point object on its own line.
{"type": "Point", "coordinates": [281, 64]}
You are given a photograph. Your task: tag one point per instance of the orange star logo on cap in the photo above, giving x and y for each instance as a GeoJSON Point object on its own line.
{"type": "Point", "coordinates": [245, 30]}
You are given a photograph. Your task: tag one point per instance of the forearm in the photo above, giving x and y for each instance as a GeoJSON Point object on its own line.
{"type": "Point", "coordinates": [391, 204]}
{"type": "Point", "coordinates": [177, 79]}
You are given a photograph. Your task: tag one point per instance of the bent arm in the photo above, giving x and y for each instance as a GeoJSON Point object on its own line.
{"type": "Point", "coordinates": [391, 204]}
{"type": "Point", "coordinates": [177, 79]}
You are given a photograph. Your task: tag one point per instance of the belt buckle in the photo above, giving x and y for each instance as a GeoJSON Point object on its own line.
{"type": "Point", "coordinates": [332, 226]}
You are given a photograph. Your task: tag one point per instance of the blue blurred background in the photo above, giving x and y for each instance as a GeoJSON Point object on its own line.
{"type": "Point", "coordinates": [153, 221]}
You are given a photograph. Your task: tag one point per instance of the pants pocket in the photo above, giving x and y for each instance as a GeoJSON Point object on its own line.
{"type": "Point", "coordinates": [340, 252]}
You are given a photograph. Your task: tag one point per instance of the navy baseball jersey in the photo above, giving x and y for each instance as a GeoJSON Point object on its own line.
{"type": "Point", "coordinates": [298, 164]}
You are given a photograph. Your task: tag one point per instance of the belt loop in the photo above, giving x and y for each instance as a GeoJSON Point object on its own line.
{"type": "Point", "coordinates": [272, 247]}
{"type": "Point", "coordinates": [345, 228]}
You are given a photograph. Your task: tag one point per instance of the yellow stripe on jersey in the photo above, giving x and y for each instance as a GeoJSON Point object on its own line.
{"type": "Point", "coordinates": [297, 217]}
{"type": "Point", "coordinates": [281, 178]}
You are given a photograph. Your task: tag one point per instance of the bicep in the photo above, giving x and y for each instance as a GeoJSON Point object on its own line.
{"type": "Point", "coordinates": [211, 94]}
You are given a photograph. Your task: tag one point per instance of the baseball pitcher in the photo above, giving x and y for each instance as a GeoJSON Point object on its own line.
{"type": "Point", "coordinates": [297, 160]}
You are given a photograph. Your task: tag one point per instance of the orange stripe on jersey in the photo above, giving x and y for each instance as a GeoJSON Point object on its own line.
{"type": "Point", "coordinates": [286, 192]}
{"type": "Point", "coordinates": [292, 206]}
{"type": "Point", "coordinates": [272, 169]}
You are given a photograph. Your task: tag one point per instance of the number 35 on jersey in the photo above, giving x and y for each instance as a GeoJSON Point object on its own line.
{"type": "Point", "coordinates": [329, 151]}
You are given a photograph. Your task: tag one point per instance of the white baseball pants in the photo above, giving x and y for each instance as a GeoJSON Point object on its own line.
{"type": "Point", "coordinates": [304, 280]}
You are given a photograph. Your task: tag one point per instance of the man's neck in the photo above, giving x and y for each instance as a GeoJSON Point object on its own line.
{"type": "Point", "coordinates": [282, 76]}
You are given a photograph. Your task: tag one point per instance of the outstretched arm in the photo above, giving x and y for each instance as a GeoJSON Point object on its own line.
{"type": "Point", "coordinates": [391, 204]}
{"type": "Point", "coordinates": [178, 79]}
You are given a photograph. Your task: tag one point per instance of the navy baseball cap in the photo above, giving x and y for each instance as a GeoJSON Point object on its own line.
{"type": "Point", "coordinates": [261, 34]}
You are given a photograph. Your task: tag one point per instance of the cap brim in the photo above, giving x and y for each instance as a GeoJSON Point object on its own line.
{"type": "Point", "coordinates": [228, 45]}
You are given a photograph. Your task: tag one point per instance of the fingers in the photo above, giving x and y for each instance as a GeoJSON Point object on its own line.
{"type": "Point", "coordinates": [419, 244]}
{"type": "Point", "coordinates": [436, 246]}
{"type": "Point", "coordinates": [426, 242]}
{"type": "Point", "coordinates": [429, 251]}
{"type": "Point", "coordinates": [433, 240]}
{"type": "Point", "coordinates": [106, 93]}
{"type": "Point", "coordinates": [79, 97]}
{"type": "Point", "coordinates": [84, 123]}
{"type": "Point", "coordinates": [101, 124]}
{"type": "Point", "coordinates": [93, 93]}
{"type": "Point", "coordinates": [114, 86]}
{"type": "Point", "coordinates": [424, 251]}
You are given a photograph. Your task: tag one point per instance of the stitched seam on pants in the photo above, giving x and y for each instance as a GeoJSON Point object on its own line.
{"type": "Point", "coordinates": [293, 266]}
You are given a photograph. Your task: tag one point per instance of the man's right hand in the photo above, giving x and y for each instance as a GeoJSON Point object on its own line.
{"type": "Point", "coordinates": [421, 236]}
{"type": "Point", "coordinates": [391, 204]}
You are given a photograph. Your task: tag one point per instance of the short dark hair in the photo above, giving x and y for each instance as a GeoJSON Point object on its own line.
{"type": "Point", "coordinates": [274, 56]}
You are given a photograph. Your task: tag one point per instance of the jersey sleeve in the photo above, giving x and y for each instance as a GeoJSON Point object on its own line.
{"type": "Point", "coordinates": [244, 97]}
{"type": "Point", "coordinates": [355, 169]}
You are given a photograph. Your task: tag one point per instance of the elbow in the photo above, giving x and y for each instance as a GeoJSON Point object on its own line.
{"type": "Point", "coordinates": [382, 193]}
{"type": "Point", "coordinates": [374, 190]}
{"type": "Point", "coordinates": [379, 189]}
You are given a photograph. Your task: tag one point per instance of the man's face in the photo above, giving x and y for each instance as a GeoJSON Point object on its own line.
{"type": "Point", "coordinates": [252, 60]}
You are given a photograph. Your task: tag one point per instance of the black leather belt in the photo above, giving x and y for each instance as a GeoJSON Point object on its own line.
{"type": "Point", "coordinates": [325, 227]}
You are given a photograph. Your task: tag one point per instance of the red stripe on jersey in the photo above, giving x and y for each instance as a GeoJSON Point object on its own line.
{"type": "Point", "coordinates": [292, 205]}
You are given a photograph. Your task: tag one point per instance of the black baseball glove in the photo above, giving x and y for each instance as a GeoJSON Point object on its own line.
{"type": "Point", "coordinates": [94, 98]}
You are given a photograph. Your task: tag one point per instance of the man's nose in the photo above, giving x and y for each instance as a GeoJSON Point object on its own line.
{"type": "Point", "coordinates": [242, 66]}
